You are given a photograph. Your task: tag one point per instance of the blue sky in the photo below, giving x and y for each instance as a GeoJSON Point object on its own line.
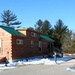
{"type": "Point", "coordinates": [30, 11]}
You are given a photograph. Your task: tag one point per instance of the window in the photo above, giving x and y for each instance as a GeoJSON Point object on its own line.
{"type": "Point", "coordinates": [33, 34]}
{"type": "Point", "coordinates": [0, 45]}
{"type": "Point", "coordinates": [32, 43]}
{"type": "Point", "coordinates": [40, 46]}
{"type": "Point", "coordinates": [19, 41]}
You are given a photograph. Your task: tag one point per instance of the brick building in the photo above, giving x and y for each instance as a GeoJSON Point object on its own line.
{"type": "Point", "coordinates": [23, 43]}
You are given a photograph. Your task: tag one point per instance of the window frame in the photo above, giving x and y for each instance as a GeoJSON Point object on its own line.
{"type": "Point", "coordinates": [32, 43]}
{"type": "Point", "coordinates": [19, 41]}
{"type": "Point", "coordinates": [33, 34]}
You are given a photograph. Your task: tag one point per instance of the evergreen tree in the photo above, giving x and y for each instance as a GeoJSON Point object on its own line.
{"type": "Point", "coordinates": [38, 26]}
{"type": "Point", "coordinates": [66, 46]}
{"type": "Point", "coordinates": [8, 18]}
{"type": "Point", "coordinates": [44, 27]}
{"type": "Point", "coordinates": [47, 28]}
{"type": "Point", "coordinates": [72, 45]}
{"type": "Point", "coordinates": [59, 33]}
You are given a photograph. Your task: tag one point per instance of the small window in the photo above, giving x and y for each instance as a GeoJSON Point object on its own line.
{"type": "Point", "coordinates": [32, 43]}
{"type": "Point", "coordinates": [19, 41]}
{"type": "Point", "coordinates": [33, 34]}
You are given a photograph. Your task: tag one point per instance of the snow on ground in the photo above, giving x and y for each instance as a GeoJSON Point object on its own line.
{"type": "Point", "coordinates": [35, 60]}
{"type": "Point", "coordinates": [72, 69]}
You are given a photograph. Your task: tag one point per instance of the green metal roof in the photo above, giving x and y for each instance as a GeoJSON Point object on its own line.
{"type": "Point", "coordinates": [12, 31]}
{"type": "Point", "coordinates": [46, 38]}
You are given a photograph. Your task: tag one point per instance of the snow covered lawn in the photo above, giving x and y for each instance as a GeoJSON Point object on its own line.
{"type": "Point", "coordinates": [35, 60]}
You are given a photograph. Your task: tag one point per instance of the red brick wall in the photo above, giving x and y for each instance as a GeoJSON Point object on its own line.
{"type": "Point", "coordinates": [6, 47]}
{"type": "Point", "coordinates": [12, 50]}
{"type": "Point", "coordinates": [17, 49]}
{"type": "Point", "coordinates": [26, 50]}
{"type": "Point", "coordinates": [35, 50]}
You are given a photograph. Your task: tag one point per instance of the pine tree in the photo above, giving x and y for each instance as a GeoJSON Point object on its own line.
{"type": "Point", "coordinates": [8, 18]}
{"type": "Point", "coordinates": [47, 28]}
{"type": "Point", "coordinates": [59, 32]}
{"type": "Point", "coordinates": [38, 26]}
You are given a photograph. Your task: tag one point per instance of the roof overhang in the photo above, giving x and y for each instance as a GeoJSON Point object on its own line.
{"type": "Point", "coordinates": [46, 38]}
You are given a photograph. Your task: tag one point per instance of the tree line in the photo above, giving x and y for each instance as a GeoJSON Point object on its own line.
{"type": "Point", "coordinates": [64, 38]}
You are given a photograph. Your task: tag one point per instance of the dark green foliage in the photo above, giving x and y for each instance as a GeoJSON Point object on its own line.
{"type": "Point", "coordinates": [47, 28]}
{"type": "Point", "coordinates": [38, 26]}
{"type": "Point", "coordinates": [8, 18]}
{"type": "Point", "coordinates": [73, 46]}
{"type": "Point", "coordinates": [59, 33]}
{"type": "Point", "coordinates": [63, 37]}
{"type": "Point", "coordinates": [66, 46]}
{"type": "Point", "coordinates": [70, 46]}
{"type": "Point", "coordinates": [44, 27]}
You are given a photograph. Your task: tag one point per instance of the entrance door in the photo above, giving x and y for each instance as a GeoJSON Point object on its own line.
{"type": "Point", "coordinates": [50, 49]}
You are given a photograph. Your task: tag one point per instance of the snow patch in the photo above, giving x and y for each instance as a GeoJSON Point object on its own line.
{"type": "Point", "coordinates": [70, 69]}
{"type": "Point", "coordinates": [35, 60]}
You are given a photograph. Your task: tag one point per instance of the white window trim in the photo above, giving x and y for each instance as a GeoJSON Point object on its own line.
{"type": "Point", "coordinates": [32, 43]}
{"type": "Point", "coordinates": [40, 44]}
{"type": "Point", "coordinates": [33, 34]}
{"type": "Point", "coordinates": [19, 41]}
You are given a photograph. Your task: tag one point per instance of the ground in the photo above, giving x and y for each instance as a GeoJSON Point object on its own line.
{"type": "Point", "coordinates": [40, 69]}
